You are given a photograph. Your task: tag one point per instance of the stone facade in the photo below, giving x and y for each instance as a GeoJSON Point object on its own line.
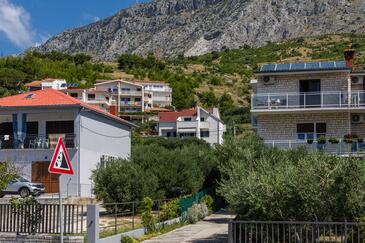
{"type": "Point", "coordinates": [333, 81]}
{"type": "Point", "coordinates": [13, 238]}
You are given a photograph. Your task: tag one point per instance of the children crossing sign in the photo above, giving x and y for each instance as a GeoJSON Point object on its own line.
{"type": "Point", "coordinates": [61, 163]}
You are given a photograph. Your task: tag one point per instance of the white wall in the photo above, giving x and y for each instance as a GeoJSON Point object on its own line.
{"type": "Point", "coordinates": [100, 136]}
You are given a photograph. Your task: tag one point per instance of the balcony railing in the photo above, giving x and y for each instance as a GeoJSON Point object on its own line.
{"type": "Point", "coordinates": [312, 100]}
{"type": "Point", "coordinates": [340, 148]}
{"type": "Point", "coordinates": [131, 103]}
{"type": "Point", "coordinates": [33, 141]}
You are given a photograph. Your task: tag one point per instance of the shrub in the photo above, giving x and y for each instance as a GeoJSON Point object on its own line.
{"type": "Point", "coordinates": [197, 212]}
{"type": "Point", "coordinates": [269, 184]}
{"type": "Point", "coordinates": [209, 201]}
{"type": "Point", "coordinates": [128, 239]}
{"type": "Point", "coordinates": [321, 140]}
{"type": "Point", "coordinates": [148, 221]}
{"type": "Point", "coordinates": [170, 210]}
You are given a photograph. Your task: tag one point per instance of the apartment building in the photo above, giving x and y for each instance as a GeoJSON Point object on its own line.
{"type": "Point", "coordinates": [197, 122]}
{"type": "Point", "coordinates": [32, 122]}
{"type": "Point", "coordinates": [121, 96]}
{"type": "Point", "coordinates": [320, 105]}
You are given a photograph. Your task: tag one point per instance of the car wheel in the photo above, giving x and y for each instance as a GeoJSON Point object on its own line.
{"type": "Point", "coordinates": [24, 192]}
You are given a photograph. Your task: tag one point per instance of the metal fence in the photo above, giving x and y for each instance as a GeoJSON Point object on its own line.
{"type": "Point", "coordinates": [120, 217]}
{"type": "Point", "coordinates": [295, 232]}
{"type": "Point", "coordinates": [42, 218]}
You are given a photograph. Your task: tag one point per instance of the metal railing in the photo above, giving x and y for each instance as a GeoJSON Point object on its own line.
{"type": "Point", "coordinates": [33, 141]}
{"type": "Point", "coordinates": [131, 103]}
{"type": "Point", "coordinates": [334, 148]}
{"type": "Point", "coordinates": [295, 232]}
{"type": "Point", "coordinates": [276, 101]}
{"type": "Point", "coordinates": [42, 218]}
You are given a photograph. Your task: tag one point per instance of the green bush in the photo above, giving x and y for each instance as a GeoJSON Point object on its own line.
{"type": "Point", "coordinates": [128, 239]}
{"type": "Point", "coordinates": [170, 210]}
{"type": "Point", "coordinates": [197, 212]}
{"type": "Point", "coordinates": [270, 184]}
{"type": "Point", "coordinates": [148, 221]}
{"type": "Point", "coordinates": [209, 201]}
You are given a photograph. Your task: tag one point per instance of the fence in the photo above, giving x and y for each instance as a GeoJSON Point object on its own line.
{"type": "Point", "coordinates": [187, 202]}
{"type": "Point", "coordinates": [295, 232]}
{"type": "Point", "coordinates": [42, 218]}
{"type": "Point", "coordinates": [116, 218]}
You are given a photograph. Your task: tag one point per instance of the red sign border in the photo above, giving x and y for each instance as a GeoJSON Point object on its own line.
{"type": "Point", "coordinates": [52, 169]}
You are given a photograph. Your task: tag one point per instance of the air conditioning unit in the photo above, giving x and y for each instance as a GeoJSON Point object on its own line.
{"type": "Point", "coordinates": [356, 80]}
{"type": "Point", "coordinates": [269, 80]}
{"type": "Point", "coordinates": [357, 118]}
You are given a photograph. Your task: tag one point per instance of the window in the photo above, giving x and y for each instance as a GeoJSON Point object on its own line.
{"type": "Point", "coordinates": [204, 133]}
{"type": "Point", "coordinates": [171, 134]}
{"type": "Point", "coordinates": [187, 119]}
{"type": "Point", "coordinates": [91, 96]}
{"type": "Point", "coordinates": [137, 99]}
{"type": "Point", "coordinates": [139, 89]}
{"type": "Point", "coordinates": [311, 130]}
{"type": "Point", "coordinates": [126, 89]}
{"type": "Point", "coordinates": [202, 119]}
{"type": "Point", "coordinates": [75, 95]}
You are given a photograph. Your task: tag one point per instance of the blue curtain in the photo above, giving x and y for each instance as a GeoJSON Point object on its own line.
{"type": "Point", "coordinates": [15, 130]}
{"type": "Point", "coordinates": [24, 128]}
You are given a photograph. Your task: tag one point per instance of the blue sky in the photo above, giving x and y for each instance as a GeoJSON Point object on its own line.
{"type": "Point", "coordinates": [24, 23]}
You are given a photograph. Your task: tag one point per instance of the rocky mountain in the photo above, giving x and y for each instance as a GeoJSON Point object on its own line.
{"type": "Point", "coordinates": [194, 27]}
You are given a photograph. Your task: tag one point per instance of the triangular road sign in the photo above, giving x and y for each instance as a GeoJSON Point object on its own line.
{"type": "Point", "coordinates": [60, 163]}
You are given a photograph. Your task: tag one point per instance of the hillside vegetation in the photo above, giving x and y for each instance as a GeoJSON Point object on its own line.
{"type": "Point", "coordinates": [215, 79]}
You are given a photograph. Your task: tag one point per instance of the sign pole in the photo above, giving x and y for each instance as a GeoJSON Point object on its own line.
{"type": "Point", "coordinates": [60, 210]}
{"type": "Point", "coordinates": [60, 164]}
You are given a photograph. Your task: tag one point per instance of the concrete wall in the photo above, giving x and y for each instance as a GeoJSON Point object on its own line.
{"type": "Point", "coordinates": [284, 126]}
{"type": "Point", "coordinates": [100, 136]}
{"type": "Point", "coordinates": [336, 81]}
{"type": "Point", "coordinates": [13, 238]}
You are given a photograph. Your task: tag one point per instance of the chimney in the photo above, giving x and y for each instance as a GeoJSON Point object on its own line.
{"type": "Point", "coordinates": [349, 57]}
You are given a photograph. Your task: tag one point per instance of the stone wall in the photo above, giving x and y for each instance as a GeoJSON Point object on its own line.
{"type": "Point", "coordinates": [284, 126]}
{"type": "Point", "coordinates": [336, 81]}
{"type": "Point", "coordinates": [13, 238]}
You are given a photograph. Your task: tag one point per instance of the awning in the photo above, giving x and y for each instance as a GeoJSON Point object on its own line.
{"type": "Point", "coordinates": [184, 130]}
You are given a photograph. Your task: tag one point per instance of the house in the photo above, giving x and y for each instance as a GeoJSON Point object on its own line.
{"type": "Point", "coordinates": [57, 84]}
{"type": "Point", "coordinates": [197, 122]}
{"type": "Point", "coordinates": [32, 122]}
{"type": "Point", "coordinates": [126, 97]}
{"type": "Point", "coordinates": [308, 104]}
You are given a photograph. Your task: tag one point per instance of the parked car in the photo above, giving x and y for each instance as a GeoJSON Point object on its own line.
{"type": "Point", "coordinates": [23, 187]}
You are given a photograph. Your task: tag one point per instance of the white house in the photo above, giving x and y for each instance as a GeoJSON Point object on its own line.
{"type": "Point", "coordinates": [197, 122]}
{"type": "Point", "coordinates": [58, 84]}
{"type": "Point", "coordinates": [31, 123]}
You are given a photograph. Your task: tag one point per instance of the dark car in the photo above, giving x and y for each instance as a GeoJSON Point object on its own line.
{"type": "Point", "coordinates": [23, 187]}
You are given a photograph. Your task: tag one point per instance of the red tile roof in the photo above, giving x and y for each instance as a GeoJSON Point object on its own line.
{"type": "Point", "coordinates": [51, 97]}
{"type": "Point", "coordinates": [172, 116]}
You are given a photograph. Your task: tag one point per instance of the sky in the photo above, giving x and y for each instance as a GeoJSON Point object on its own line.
{"type": "Point", "coordinates": [25, 23]}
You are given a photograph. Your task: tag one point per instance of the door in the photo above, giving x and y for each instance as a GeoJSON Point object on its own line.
{"type": "Point", "coordinates": [40, 174]}
{"type": "Point", "coordinates": [310, 93]}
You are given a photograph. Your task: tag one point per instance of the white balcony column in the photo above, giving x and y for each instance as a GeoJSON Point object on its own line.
{"type": "Point", "coordinates": [84, 95]}
{"type": "Point", "coordinates": [118, 101]}
{"type": "Point", "coordinates": [142, 99]}
{"type": "Point", "coordinates": [349, 90]}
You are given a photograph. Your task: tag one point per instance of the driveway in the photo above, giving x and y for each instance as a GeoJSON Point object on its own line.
{"type": "Point", "coordinates": [213, 229]}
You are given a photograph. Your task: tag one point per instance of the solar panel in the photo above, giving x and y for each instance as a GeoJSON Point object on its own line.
{"type": "Point", "coordinates": [303, 66]}
{"type": "Point", "coordinates": [312, 65]}
{"type": "Point", "coordinates": [297, 66]}
{"type": "Point", "coordinates": [282, 67]}
{"type": "Point", "coordinates": [268, 67]}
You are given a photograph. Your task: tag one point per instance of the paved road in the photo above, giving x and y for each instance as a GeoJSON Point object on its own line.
{"type": "Point", "coordinates": [214, 229]}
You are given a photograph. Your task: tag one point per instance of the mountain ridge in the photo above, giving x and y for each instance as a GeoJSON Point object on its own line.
{"type": "Point", "coordinates": [169, 28]}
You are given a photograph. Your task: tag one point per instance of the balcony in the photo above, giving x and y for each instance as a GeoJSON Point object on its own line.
{"type": "Point", "coordinates": [130, 93]}
{"type": "Point", "coordinates": [36, 142]}
{"type": "Point", "coordinates": [302, 101]}
{"type": "Point", "coordinates": [130, 103]}
{"type": "Point", "coordinates": [340, 148]}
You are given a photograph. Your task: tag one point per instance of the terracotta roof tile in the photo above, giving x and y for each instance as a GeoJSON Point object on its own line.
{"type": "Point", "coordinates": [173, 115]}
{"type": "Point", "coordinates": [51, 97]}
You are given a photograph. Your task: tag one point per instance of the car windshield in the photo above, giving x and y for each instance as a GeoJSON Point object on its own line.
{"type": "Point", "coordinates": [22, 179]}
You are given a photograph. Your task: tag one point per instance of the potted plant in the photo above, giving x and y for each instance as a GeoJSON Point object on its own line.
{"type": "Point", "coordinates": [333, 140]}
{"type": "Point", "coordinates": [347, 138]}
{"type": "Point", "coordinates": [321, 140]}
{"type": "Point", "coordinates": [310, 140]}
